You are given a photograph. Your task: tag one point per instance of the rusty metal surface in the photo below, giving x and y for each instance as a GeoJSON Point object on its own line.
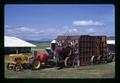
{"type": "Point", "coordinates": [86, 46]}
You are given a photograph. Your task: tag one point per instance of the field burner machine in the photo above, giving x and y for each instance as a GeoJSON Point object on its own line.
{"type": "Point", "coordinates": [74, 51]}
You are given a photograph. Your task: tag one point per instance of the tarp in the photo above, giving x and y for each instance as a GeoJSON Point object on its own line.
{"type": "Point", "coordinates": [16, 42]}
{"type": "Point", "coordinates": [111, 42]}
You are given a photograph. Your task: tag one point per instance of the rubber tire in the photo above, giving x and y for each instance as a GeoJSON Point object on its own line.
{"type": "Point", "coordinates": [8, 66]}
{"type": "Point", "coordinates": [66, 62]}
{"type": "Point", "coordinates": [26, 66]}
{"type": "Point", "coordinates": [98, 59]}
{"type": "Point", "coordinates": [92, 59]}
{"type": "Point", "coordinates": [33, 64]}
{"type": "Point", "coordinates": [109, 60]}
{"type": "Point", "coordinates": [113, 58]}
{"type": "Point", "coordinates": [95, 60]}
{"type": "Point", "coordinates": [17, 67]}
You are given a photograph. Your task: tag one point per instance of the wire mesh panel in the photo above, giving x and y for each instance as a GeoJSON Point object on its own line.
{"type": "Point", "coordinates": [85, 46]}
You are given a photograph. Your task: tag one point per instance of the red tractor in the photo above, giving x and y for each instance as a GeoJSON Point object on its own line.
{"type": "Point", "coordinates": [45, 59]}
{"type": "Point", "coordinates": [37, 60]}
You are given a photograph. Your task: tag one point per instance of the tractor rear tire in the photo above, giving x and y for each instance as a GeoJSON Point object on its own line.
{"type": "Point", "coordinates": [35, 64]}
{"type": "Point", "coordinates": [67, 62]}
{"type": "Point", "coordinates": [9, 66]}
{"type": "Point", "coordinates": [17, 67]}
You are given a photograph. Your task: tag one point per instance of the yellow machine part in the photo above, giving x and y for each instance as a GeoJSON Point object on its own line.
{"type": "Point", "coordinates": [13, 58]}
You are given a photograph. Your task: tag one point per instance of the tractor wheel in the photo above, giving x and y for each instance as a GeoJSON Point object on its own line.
{"type": "Point", "coordinates": [35, 64]}
{"type": "Point", "coordinates": [17, 67]}
{"type": "Point", "coordinates": [9, 66]}
{"type": "Point", "coordinates": [67, 62]}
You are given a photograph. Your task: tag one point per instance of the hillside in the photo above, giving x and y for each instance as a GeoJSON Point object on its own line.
{"type": "Point", "coordinates": [49, 40]}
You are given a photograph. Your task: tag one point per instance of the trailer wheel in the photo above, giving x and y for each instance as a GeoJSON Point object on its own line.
{"type": "Point", "coordinates": [67, 62]}
{"type": "Point", "coordinates": [17, 67]}
{"type": "Point", "coordinates": [98, 59]}
{"type": "Point", "coordinates": [92, 59]}
{"type": "Point", "coordinates": [113, 58]}
{"type": "Point", "coordinates": [102, 59]}
{"type": "Point", "coordinates": [35, 64]}
{"type": "Point", "coordinates": [9, 66]}
{"type": "Point", "coordinates": [109, 58]}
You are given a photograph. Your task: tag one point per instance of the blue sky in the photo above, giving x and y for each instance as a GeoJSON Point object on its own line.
{"type": "Point", "coordinates": [47, 21]}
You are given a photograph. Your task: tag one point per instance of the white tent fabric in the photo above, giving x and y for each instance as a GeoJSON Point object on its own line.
{"type": "Point", "coordinates": [53, 41]}
{"type": "Point", "coordinates": [108, 41]}
{"type": "Point", "coordinates": [16, 42]}
{"type": "Point", "coordinates": [111, 42]}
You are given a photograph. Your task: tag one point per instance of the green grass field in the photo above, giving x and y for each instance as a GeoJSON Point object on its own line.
{"type": "Point", "coordinates": [41, 47]}
{"type": "Point", "coordinates": [83, 72]}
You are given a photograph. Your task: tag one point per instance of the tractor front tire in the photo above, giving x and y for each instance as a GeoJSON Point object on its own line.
{"type": "Point", "coordinates": [35, 64]}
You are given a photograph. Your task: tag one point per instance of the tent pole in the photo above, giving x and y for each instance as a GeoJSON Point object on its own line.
{"type": "Point", "coordinates": [17, 51]}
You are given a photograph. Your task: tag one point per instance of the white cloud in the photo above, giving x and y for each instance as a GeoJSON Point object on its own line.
{"type": "Point", "coordinates": [87, 23]}
{"type": "Point", "coordinates": [26, 32]}
{"type": "Point", "coordinates": [72, 30]}
{"type": "Point", "coordinates": [25, 29]}
{"type": "Point", "coordinates": [7, 26]}
{"type": "Point", "coordinates": [90, 30]}
{"type": "Point", "coordinates": [41, 33]}
{"type": "Point", "coordinates": [75, 30]}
